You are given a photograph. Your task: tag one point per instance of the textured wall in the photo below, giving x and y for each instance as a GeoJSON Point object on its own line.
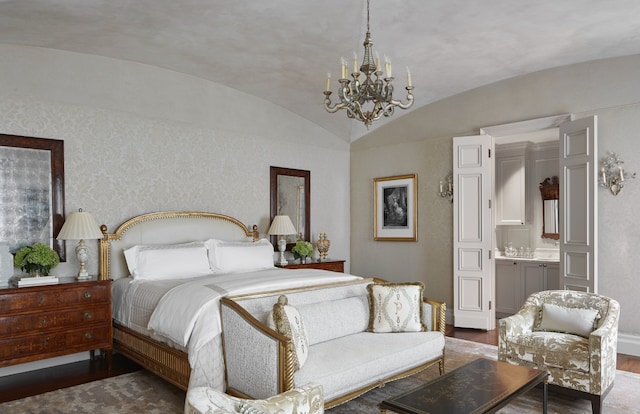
{"type": "Point", "coordinates": [415, 143]}
{"type": "Point", "coordinates": [141, 139]}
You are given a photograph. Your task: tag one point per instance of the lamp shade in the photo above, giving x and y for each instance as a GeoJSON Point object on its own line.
{"type": "Point", "coordinates": [282, 225]}
{"type": "Point", "coordinates": [80, 225]}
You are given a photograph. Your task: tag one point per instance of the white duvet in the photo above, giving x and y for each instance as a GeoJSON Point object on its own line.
{"type": "Point", "coordinates": [189, 314]}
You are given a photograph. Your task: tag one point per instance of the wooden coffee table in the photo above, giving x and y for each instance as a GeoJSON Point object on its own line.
{"type": "Point", "coordinates": [481, 386]}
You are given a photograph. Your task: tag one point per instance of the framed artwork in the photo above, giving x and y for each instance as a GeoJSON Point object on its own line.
{"type": "Point", "coordinates": [395, 214]}
{"type": "Point", "coordinates": [32, 191]}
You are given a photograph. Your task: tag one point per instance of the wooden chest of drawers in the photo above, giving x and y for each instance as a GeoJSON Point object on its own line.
{"type": "Point", "coordinates": [331, 265]}
{"type": "Point", "coordinates": [41, 322]}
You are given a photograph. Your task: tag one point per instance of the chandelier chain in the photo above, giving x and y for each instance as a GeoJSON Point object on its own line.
{"type": "Point", "coordinates": [367, 16]}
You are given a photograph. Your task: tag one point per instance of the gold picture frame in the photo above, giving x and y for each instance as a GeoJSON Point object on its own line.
{"type": "Point", "coordinates": [395, 216]}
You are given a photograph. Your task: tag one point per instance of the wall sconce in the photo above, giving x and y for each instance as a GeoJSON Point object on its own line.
{"type": "Point", "coordinates": [446, 188]}
{"type": "Point", "coordinates": [612, 173]}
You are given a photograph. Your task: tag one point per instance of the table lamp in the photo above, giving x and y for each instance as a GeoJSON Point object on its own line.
{"type": "Point", "coordinates": [81, 226]}
{"type": "Point", "coordinates": [282, 226]}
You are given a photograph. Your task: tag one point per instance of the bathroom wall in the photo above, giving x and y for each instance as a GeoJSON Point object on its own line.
{"type": "Point", "coordinates": [541, 163]}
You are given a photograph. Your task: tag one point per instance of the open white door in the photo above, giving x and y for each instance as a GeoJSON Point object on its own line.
{"type": "Point", "coordinates": [473, 278]}
{"type": "Point", "coordinates": [579, 205]}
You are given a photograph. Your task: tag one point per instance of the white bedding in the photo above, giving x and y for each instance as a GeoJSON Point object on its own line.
{"type": "Point", "coordinates": [187, 312]}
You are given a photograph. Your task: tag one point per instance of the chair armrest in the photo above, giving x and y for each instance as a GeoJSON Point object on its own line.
{"type": "Point", "coordinates": [250, 373]}
{"type": "Point", "coordinates": [307, 399]}
{"type": "Point", "coordinates": [520, 323]}
{"type": "Point", "coordinates": [603, 343]}
{"type": "Point", "coordinates": [438, 314]}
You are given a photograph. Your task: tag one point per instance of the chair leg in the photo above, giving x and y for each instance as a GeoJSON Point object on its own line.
{"type": "Point", "coordinates": [596, 404]}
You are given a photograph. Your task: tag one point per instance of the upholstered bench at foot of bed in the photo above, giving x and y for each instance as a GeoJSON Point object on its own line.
{"type": "Point", "coordinates": [366, 359]}
{"type": "Point", "coordinates": [342, 354]}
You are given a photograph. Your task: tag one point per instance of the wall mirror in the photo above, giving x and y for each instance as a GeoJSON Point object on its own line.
{"type": "Point", "coordinates": [291, 196]}
{"type": "Point", "coordinates": [550, 192]}
{"type": "Point", "coordinates": [32, 191]}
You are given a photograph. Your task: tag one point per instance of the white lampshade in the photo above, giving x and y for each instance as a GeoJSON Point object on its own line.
{"type": "Point", "coordinates": [80, 225]}
{"type": "Point", "coordinates": [281, 226]}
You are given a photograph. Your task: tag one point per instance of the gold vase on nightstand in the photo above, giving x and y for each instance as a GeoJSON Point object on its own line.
{"type": "Point", "coordinates": [323, 246]}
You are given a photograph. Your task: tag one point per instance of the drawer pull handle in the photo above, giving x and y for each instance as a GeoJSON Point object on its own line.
{"type": "Point", "coordinates": [44, 342]}
{"type": "Point", "coordinates": [87, 295]}
{"type": "Point", "coordinates": [43, 321]}
{"type": "Point", "coordinates": [88, 315]}
{"type": "Point", "coordinates": [88, 335]}
{"type": "Point", "coordinates": [40, 298]}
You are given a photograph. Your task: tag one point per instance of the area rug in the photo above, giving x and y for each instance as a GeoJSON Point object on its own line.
{"type": "Point", "coordinates": [137, 392]}
{"type": "Point", "coordinates": [143, 392]}
{"type": "Point", "coordinates": [624, 398]}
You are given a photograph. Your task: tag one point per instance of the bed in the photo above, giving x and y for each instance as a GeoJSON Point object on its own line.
{"type": "Point", "coordinates": [155, 262]}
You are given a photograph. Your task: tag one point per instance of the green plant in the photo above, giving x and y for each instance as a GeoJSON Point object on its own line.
{"type": "Point", "coordinates": [38, 257]}
{"type": "Point", "coordinates": [302, 249]}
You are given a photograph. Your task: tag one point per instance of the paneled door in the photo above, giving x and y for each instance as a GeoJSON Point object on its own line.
{"type": "Point", "coordinates": [579, 205]}
{"type": "Point", "coordinates": [473, 279]}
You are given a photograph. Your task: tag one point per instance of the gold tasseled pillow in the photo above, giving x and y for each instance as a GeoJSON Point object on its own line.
{"type": "Point", "coordinates": [395, 307]}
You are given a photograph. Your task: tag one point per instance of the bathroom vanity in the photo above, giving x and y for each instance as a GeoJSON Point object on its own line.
{"type": "Point", "coordinates": [517, 278]}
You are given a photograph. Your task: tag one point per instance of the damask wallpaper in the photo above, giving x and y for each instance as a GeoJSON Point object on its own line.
{"type": "Point", "coordinates": [122, 159]}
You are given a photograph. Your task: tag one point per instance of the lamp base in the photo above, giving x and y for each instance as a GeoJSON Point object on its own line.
{"type": "Point", "coordinates": [282, 245]}
{"type": "Point", "coordinates": [82, 253]}
{"type": "Point", "coordinates": [83, 277]}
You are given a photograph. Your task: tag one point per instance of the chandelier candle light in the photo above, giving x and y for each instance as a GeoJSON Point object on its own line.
{"type": "Point", "coordinates": [354, 95]}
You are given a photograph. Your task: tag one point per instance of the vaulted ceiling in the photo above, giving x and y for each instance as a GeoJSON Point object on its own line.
{"type": "Point", "coordinates": [281, 50]}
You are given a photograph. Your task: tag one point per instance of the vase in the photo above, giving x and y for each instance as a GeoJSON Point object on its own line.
{"type": "Point", "coordinates": [303, 259]}
{"type": "Point", "coordinates": [323, 246]}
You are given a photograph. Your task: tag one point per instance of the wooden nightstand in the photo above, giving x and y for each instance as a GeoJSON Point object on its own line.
{"type": "Point", "coordinates": [40, 322]}
{"type": "Point", "coordinates": [332, 265]}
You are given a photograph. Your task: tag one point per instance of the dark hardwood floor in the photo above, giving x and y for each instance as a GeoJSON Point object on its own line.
{"type": "Point", "coordinates": [17, 386]}
{"type": "Point", "coordinates": [13, 387]}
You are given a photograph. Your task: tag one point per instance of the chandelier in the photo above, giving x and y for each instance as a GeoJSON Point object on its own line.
{"type": "Point", "coordinates": [370, 99]}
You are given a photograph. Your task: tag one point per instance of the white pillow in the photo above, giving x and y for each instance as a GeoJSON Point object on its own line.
{"type": "Point", "coordinates": [173, 261]}
{"type": "Point", "coordinates": [234, 257]}
{"type": "Point", "coordinates": [395, 307]}
{"type": "Point", "coordinates": [568, 320]}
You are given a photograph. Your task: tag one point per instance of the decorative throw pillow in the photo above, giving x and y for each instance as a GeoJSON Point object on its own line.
{"type": "Point", "coordinates": [575, 321]}
{"type": "Point", "coordinates": [289, 323]}
{"type": "Point", "coordinates": [395, 307]}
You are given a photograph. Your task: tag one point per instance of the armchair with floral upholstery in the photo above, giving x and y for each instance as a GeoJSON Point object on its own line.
{"type": "Point", "coordinates": [572, 335]}
{"type": "Point", "coordinates": [308, 399]}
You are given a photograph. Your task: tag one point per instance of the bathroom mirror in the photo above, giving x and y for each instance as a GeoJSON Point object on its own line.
{"type": "Point", "coordinates": [291, 196]}
{"type": "Point", "coordinates": [550, 192]}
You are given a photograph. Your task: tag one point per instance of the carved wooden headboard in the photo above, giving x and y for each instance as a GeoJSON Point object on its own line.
{"type": "Point", "coordinates": [165, 228]}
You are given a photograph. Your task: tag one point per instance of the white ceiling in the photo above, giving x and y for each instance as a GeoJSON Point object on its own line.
{"type": "Point", "coordinates": [281, 50]}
